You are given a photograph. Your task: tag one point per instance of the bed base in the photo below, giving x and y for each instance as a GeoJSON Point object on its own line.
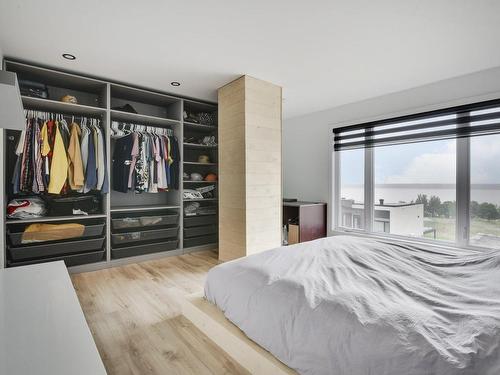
{"type": "Point", "coordinates": [212, 322]}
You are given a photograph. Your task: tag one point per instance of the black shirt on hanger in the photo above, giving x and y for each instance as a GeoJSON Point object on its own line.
{"type": "Point", "coordinates": [121, 162]}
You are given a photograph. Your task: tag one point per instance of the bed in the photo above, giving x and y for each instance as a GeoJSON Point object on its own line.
{"type": "Point", "coordinates": [351, 305]}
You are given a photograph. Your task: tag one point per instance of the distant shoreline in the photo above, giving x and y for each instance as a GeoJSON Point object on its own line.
{"type": "Point", "coordinates": [428, 186]}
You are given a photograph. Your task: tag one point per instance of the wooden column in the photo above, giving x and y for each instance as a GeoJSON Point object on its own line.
{"type": "Point", "coordinates": [250, 181]}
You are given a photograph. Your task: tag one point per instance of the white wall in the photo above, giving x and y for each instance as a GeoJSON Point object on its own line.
{"type": "Point", "coordinates": [307, 139]}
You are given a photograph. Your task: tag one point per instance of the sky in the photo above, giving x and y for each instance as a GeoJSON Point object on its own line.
{"type": "Point", "coordinates": [425, 162]}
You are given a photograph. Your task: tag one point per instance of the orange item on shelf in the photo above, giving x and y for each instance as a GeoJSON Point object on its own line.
{"type": "Point", "coordinates": [211, 177]}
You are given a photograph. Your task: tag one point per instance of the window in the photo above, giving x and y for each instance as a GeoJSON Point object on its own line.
{"type": "Point", "coordinates": [352, 188]}
{"type": "Point", "coordinates": [432, 176]}
{"type": "Point", "coordinates": [485, 191]}
{"type": "Point", "coordinates": [415, 192]}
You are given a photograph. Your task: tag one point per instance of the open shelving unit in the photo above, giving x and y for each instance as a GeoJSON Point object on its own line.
{"type": "Point", "coordinates": [160, 216]}
{"type": "Point", "coordinates": [200, 229]}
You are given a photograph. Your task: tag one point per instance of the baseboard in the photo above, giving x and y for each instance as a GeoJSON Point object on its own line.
{"type": "Point", "coordinates": [212, 322]}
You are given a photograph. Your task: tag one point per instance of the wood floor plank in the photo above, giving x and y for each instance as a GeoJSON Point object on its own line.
{"type": "Point", "coordinates": [134, 314]}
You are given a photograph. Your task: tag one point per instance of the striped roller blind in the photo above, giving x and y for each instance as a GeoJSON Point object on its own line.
{"type": "Point", "coordinates": [463, 121]}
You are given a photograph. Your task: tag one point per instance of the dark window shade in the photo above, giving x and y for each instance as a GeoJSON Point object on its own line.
{"type": "Point", "coordinates": [463, 121]}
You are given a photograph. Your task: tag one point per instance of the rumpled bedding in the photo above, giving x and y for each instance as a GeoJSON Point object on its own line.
{"type": "Point", "coordinates": [350, 305]}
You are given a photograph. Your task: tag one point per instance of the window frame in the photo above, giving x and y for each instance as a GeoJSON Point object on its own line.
{"type": "Point", "coordinates": [462, 191]}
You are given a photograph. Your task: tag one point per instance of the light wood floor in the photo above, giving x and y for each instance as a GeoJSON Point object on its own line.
{"type": "Point", "coordinates": [134, 315]}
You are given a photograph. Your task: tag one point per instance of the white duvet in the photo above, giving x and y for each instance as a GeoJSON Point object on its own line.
{"type": "Point", "coordinates": [347, 305]}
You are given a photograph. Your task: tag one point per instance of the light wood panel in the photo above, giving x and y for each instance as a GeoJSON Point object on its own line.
{"type": "Point", "coordinates": [250, 170]}
{"type": "Point", "coordinates": [134, 312]}
{"type": "Point", "coordinates": [229, 337]}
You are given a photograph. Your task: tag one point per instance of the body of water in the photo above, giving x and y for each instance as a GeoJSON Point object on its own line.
{"type": "Point", "coordinates": [395, 193]}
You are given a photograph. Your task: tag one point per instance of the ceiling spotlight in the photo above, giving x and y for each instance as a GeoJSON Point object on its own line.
{"type": "Point", "coordinates": [69, 56]}
{"type": "Point", "coordinates": [175, 83]}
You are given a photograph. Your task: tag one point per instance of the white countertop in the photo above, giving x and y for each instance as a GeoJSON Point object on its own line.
{"type": "Point", "coordinates": [42, 327]}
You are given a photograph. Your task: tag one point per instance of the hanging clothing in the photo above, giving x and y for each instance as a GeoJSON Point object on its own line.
{"type": "Point", "coordinates": [55, 158]}
{"type": "Point", "coordinates": [151, 162]}
{"type": "Point", "coordinates": [134, 154]}
{"type": "Point", "coordinates": [101, 162]}
{"type": "Point", "coordinates": [75, 168]}
{"type": "Point", "coordinates": [91, 172]}
{"type": "Point", "coordinates": [59, 165]}
{"type": "Point", "coordinates": [122, 160]}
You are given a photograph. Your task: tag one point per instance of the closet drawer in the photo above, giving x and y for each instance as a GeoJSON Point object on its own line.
{"type": "Point", "coordinates": [141, 220]}
{"type": "Point", "coordinates": [150, 248]}
{"type": "Point", "coordinates": [146, 235]}
{"type": "Point", "coordinates": [69, 260]}
{"type": "Point", "coordinates": [199, 231]}
{"type": "Point", "coordinates": [54, 249]}
{"type": "Point", "coordinates": [199, 241]}
{"type": "Point", "coordinates": [193, 221]}
{"type": "Point", "coordinates": [16, 237]}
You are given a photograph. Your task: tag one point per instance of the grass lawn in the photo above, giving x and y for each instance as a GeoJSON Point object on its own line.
{"type": "Point", "coordinates": [445, 228]}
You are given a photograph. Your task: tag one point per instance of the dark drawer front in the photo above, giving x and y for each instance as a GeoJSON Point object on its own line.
{"type": "Point", "coordinates": [131, 251]}
{"type": "Point", "coordinates": [69, 260]}
{"type": "Point", "coordinates": [195, 221]}
{"type": "Point", "coordinates": [131, 222]}
{"type": "Point", "coordinates": [199, 241]}
{"type": "Point", "coordinates": [146, 235]}
{"type": "Point", "coordinates": [54, 249]}
{"type": "Point", "coordinates": [199, 231]}
{"type": "Point", "coordinates": [90, 231]}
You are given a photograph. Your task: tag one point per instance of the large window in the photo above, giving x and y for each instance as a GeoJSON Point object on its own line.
{"type": "Point", "coordinates": [433, 176]}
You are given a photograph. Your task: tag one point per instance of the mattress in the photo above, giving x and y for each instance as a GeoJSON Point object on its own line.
{"type": "Point", "coordinates": [351, 305]}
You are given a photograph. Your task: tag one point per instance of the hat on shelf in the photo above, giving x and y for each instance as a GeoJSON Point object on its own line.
{"type": "Point", "coordinates": [203, 159]}
{"type": "Point", "coordinates": [125, 108]}
{"type": "Point", "coordinates": [196, 177]}
{"type": "Point", "coordinates": [69, 99]}
{"type": "Point", "coordinates": [211, 177]}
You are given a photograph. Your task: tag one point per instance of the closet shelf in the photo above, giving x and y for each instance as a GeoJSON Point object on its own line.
{"type": "Point", "coordinates": [196, 145]}
{"type": "Point", "coordinates": [195, 126]}
{"type": "Point", "coordinates": [142, 208]}
{"type": "Point", "coordinates": [56, 106]}
{"type": "Point", "coordinates": [197, 163]}
{"type": "Point", "coordinates": [55, 218]}
{"type": "Point", "coordinates": [143, 119]}
{"type": "Point", "coordinates": [200, 200]}
{"type": "Point", "coordinates": [200, 182]}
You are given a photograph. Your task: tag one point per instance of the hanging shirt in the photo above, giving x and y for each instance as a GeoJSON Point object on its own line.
{"type": "Point", "coordinates": [122, 162]}
{"type": "Point", "coordinates": [44, 134]}
{"type": "Point", "coordinates": [105, 183]}
{"type": "Point", "coordinates": [134, 154]}
{"type": "Point", "coordinates": [75, 167]}
{"type": "Point", "coordinates": [101, 163]}
{"type": "Point", "coordinates": [59, 165]}
{"type": "Point", "coordinates": [25, 178]}
{"type": "Point", "coordinates": [37, 160]}
{"type": "Point", "coordinates": [91, 172]}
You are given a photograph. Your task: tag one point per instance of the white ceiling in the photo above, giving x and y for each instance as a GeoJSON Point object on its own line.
{"type": "Point", "coordinates": [323, 53]}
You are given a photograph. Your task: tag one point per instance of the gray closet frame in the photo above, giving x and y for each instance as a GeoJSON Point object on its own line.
{"type": "Point", "coordinates": [71, 79]}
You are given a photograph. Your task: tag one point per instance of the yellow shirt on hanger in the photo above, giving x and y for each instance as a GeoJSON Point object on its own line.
{"type": "Point", "coordinates": [59, 165]}
{"type": "Point", "coordinates": [75, 167]}
{"type": "Point", "coordinates": [45, 140]}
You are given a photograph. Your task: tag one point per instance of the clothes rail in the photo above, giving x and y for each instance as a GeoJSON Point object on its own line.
{"type": "Point", "coordinates": [31, 113]}
{"type": "Point", "coordinates": [119, 129]}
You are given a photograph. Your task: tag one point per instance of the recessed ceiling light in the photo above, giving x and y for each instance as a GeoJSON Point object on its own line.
{"type": "Point", "coordinates": [69, 56]}
{"type": "Point", "coordinates": [175, 83]}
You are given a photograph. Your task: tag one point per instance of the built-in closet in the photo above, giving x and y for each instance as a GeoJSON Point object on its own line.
{"type": "Point", "coordinates": [132, 224]}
